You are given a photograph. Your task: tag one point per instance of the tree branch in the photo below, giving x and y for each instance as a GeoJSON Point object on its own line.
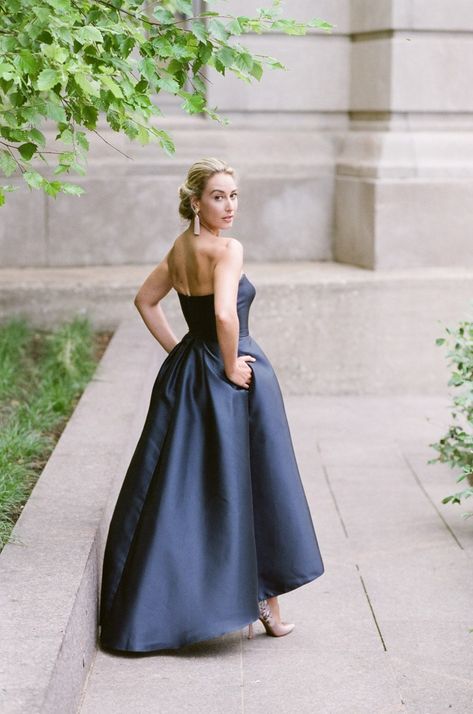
{"type": "Point", "coordinates": [9, 149]}
{"type": "Point", "coordinates": [111, 145]}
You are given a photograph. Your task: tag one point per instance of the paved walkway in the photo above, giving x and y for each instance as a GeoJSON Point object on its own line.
{"type": "Point", "coordinates": [385, 629]}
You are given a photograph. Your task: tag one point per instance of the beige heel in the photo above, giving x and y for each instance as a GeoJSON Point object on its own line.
{"type": "Point", "coordinates": [272, 627]}
{"type": "Point", "coordinates": [250, 631]}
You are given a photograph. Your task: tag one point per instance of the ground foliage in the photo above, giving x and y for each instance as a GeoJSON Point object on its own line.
{"type": "Point", "coordinates": [42, 375]}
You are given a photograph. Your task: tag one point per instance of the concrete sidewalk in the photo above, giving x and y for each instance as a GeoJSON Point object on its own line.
{"type": "Point", "coordinates": [385, 629]}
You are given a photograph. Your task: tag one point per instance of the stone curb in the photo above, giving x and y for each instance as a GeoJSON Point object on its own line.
{"type": "Point", "coordinates": [49, 574]}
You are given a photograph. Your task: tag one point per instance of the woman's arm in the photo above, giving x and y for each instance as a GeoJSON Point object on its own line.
{"type": "Point", "coordinates": [147, 299]}
{"type": "Point", "coordinates": [226, 280]}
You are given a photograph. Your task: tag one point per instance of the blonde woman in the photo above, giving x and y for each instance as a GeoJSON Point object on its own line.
{"type": "Point", "coordinates": [211, 523]}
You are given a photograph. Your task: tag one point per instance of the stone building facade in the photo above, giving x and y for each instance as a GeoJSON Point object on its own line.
{"type": "Point", "coordinates": [361, 152]}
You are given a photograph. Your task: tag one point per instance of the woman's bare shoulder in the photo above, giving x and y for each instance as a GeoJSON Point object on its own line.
{"type": "Point", "coordinates": [230, 256]}
{"type": "Point", "coordinates": [175, 248]}
{"type": "Point", "coordinates": [231, 247]}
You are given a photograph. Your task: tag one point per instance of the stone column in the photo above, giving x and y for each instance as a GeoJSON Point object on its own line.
{"type": "Point", "coordinates": [404, 175]}
{"type": "Point", "coordinates": [285, 130]}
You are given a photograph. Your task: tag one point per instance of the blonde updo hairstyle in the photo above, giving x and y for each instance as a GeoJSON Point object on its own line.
{"type": "Point", "coordinates": [193, 186]}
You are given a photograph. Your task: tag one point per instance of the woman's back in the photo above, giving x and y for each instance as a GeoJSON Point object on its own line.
{"type": "Point", "coordinates": [191, 263]}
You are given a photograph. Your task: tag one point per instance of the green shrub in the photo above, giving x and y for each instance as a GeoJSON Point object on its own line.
{"type": "Point", "coordinates": [456, 446]}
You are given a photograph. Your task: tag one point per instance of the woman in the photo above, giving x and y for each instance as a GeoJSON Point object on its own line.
{"type": "Point", "coordinates": [211, 523]}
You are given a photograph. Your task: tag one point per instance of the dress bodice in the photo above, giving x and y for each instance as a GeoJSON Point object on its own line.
{"type": "Point", "coordinates": [199, 312]}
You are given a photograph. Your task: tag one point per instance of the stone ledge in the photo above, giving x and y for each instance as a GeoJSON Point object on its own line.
{"type": "Point", "coordinates": [328, 328]}
{"type": "Point", "coordinates": [127, 277]}
{"type": "Point", "coordinates": [49, 575]}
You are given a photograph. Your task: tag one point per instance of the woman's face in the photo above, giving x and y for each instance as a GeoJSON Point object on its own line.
{"type": "Point", "coordinates": [219, 202]}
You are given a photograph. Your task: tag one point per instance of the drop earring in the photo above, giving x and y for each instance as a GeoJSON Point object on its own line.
{"type": "Point", "coordinates": [196, 223]}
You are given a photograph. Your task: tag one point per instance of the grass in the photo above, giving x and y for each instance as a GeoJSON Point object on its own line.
{"type": "Point", "coordinates": [42, 375]}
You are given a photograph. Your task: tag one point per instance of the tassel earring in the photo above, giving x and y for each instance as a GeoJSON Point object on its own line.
{"type": "Point", "coordinates": [196, 223]}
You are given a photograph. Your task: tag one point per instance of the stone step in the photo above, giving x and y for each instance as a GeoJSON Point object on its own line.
{"type": "Point", "coordinates": [328, 328]}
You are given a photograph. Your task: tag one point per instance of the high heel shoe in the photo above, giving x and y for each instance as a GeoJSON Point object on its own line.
{"type": "Point", "coordinates": [272, 627]}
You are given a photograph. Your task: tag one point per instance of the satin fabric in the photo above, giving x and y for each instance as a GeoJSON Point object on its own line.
{"type": "Point", "coordinates": [212, 515]}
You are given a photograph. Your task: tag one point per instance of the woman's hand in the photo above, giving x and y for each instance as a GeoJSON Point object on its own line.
{"type": "Point", "coordinates": [241, 373]}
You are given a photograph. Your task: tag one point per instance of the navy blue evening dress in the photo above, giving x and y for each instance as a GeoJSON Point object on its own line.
{"type": "Point", "coordinates": [212, 515]}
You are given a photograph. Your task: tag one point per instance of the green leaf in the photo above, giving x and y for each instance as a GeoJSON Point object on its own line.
{"type": "Point", "coordinates": [60, 4]}
{"type": "Point", "coordinates": [27, 151]}
{"type": "Point", "coordinates": [147, 68]}
{"type": "Point", "coordinates": [7, 71]}
{"type": "Point", "coordinates": [3, 190]}
{"type": "Point", "coordinates": [256, 71]}
{"type": "Point", "coordinates": [7, 163]}
{"type": "Point", "coordinates": [17, 99]}
{"type": "Point", "coordinates": [290, 27]}
{"type": "Point", "coordinates": [38, 136]}
{"type": "Point", "coordinates": [52, 188]}
{"type": "Point", "coordinates": [67, 158]}
{"type": "Point", "coordinates": [88, 33]}
{"type": "Point", "coordinates": [112, 86]}
{"type": "Point", "coordinates": [55, 52]}
{"type": "Point", "coordinates": [199, 30]}
{"type": "Point", "coordinates": [199, 84]}
{"type": "Point", "coordinates": [165, 140]}
{"type": "Point", "coordinates": [90, 87]}
{"type": "Point", "coordinates": [144, 134]}
{"type": "Point", "coordinates": [321, 24]}
{"type": "Point", "coordinates": [235, 27]}
{"type": "Point", "coordinates": [273, 63]}
{"type": "Point", "coordinates": [8, 44]}
{"type": "Point", "coordinates": [90, 116]}
{"type": "Point", "coordinates": [193, 103]}
{"type": "Point", "coordinates": [33, 179]}
{"type": "Point", "coordinates": [168, 84]}
{"type": "Point", "coordinates": [82, 140]}
{"type": "Point", "coordinates": [27, 62]}
{"type": "Point", "coordinates": [130, 129]}
{"type": "Point", "coordinates": [72, 189]}
{"type": "Point", "coordinates": [47, 79]}
{"type": "Point", "coordinates": [184, 6]}
{"type": "Point", "coordinates": [66, 136]}
{"type": "Point", "coordinates": [163, 16]}
{"type": "Point", "coordinates": [440, 341]}
{"type": "Point", "coordinates": [55, 111]}
{"type": "Point", "coordinates": [244, 61]}
{"type": "Point", "coordinates": [226, 56]}
{"type": "Point", "coordinates": [218, 30]}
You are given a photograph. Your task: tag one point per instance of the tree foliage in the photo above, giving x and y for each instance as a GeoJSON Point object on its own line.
{"type": "Point", "coordinates": [71, 61]}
